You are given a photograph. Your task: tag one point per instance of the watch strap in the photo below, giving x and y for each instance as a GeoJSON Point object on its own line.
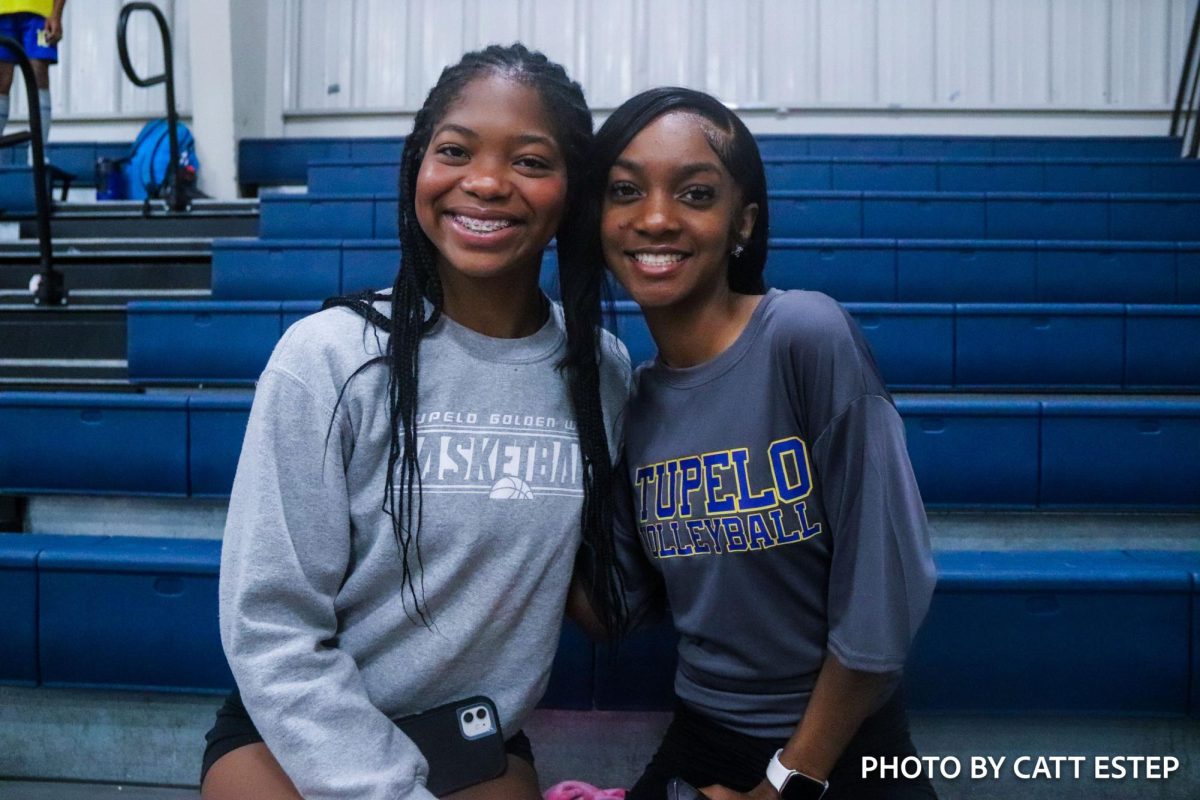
{"type": "Point", "coordinates": [793, 784]}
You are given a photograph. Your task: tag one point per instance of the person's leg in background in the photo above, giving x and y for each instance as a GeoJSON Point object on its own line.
{"type": "Point", "coordinates": [41, 74]}
{"type": "Point", "coordinates": [7, 66]}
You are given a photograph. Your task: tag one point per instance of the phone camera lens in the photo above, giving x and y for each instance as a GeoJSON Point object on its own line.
{"type": "Point", "coordinates": [482, 713]}
{"type": "Point", "coordinates": [468, 717]}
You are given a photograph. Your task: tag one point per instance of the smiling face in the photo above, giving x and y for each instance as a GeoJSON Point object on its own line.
{"type": "Point", "coordinates": [492, 184]}
{"type": "Point", "coordinates": [671, 215]}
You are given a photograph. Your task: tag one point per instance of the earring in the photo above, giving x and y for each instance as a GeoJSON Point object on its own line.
{"type": "Point", "coordinates": [737, 250]}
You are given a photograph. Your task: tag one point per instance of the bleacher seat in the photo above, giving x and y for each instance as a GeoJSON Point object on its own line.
{"type": "Point", "coordinates": [969, 451]}
{"type": "Point", "coordinates": [88, 594]}
{"type": "Point", "coordinates": [77, 443]}
{"type": "Point", "coordinates": [918, 346]}
{"type": "Point", "coordinates": [1100, 454]}
{"type": "Point", "coordinates": [994, 638]}
{"type": "Point", "coordinates": [1001, 624]}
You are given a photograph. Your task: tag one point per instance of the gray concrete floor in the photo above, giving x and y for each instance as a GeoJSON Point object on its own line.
{"type": "Point", "coordinates": [55, 790]}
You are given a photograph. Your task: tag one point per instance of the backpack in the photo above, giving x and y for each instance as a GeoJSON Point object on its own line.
{"type": "Point", "coordinates": [149, 160]}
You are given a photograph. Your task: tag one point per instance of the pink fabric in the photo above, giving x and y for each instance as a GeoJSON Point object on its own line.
{"type": "Point", "coordinates": [578, 790]}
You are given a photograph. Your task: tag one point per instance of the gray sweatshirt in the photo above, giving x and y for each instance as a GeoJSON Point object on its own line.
{"type": "Point", "coordinates": [312, 618]}
{"type": "Point", "coordinates": [773, 495]}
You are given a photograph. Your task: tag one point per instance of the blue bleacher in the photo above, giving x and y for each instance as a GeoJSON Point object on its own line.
{"type": "Point", "coordinates": [833, 215]}
{"type": "Point", "coordinates": [827, 173]}
{"type": "Point", "coordinates": [1126, 618]}
{"type": "Point", "coordinates": [930, 346]}
{"type": "Point", "coordinates": [1059, 276]}
{"type": "Point", "coordinates": [1109, 452]}
{"type": "Point", "coordinates": [274, 161]}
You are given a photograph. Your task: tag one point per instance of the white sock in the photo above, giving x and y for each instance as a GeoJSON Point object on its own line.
{"type": "Point", "coordinates": [44, 105]}
{"type": "Point", "coordinates": [3, 112]}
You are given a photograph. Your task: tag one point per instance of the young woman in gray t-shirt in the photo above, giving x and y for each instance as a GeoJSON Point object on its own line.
{"type": "Point", "coordinates": [771, 494]}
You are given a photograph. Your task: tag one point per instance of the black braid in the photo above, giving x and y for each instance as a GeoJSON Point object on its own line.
{"type": "Point", "coordinates": [416, 306]}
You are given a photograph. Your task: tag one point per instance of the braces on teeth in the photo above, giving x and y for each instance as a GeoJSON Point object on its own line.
{"type": "Point", "coordinates": [482, 225]}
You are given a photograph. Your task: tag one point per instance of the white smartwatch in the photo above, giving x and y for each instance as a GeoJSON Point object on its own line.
{"type": "Point", "coordinates": [794, 785]}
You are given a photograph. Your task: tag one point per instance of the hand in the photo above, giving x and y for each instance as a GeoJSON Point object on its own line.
{"type": "Point", "coordinates": [764, 791]}
{"type": "Point", "coordinates": [54, 31]}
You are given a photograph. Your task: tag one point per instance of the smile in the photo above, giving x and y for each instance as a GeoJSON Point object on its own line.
{"type": "Point", "coordinates": [657, 259]}
{"type": "Point", "coordinates": [476, 225]}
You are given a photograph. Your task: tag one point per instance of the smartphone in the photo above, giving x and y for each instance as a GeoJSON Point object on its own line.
{"type": "Point", "coordinates": [462, 741]}
{"type": "Point", "coordinates": [679, 789]}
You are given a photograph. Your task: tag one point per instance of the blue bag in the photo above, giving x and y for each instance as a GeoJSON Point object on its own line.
{"type": "Point", "coordinates": [148, 171]}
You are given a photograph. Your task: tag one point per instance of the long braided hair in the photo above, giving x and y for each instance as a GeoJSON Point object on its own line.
{"type": "Point", "coordinates": [418, 288]}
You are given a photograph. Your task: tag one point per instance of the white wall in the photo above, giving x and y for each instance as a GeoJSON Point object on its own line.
{"type": "Point", "coordinates": [965, 65]}
{"type": "Point", "coordinates": [358, 67]}
{"type": "Point", "coordinates": [92, 98]}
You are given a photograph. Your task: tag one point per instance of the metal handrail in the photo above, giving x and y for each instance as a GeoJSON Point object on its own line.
{"type": "Point", "coordinates": [178, 200]}
{"type": "Point", "coordinates": [1186, 114]}
{"type": "Point", "coordinates": [51, 290]}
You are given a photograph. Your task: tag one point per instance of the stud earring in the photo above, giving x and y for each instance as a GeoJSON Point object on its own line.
{"type": "Point", "coordinates": [737, 250]}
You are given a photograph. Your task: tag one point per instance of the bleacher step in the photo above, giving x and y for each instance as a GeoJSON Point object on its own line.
{"type": "Point", "coordinates": [206, 219]}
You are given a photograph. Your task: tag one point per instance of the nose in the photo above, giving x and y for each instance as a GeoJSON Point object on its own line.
{"type": "Point", "coordinates": [486, 181]}
{"type": "Point", "coordinates": [657, 217]}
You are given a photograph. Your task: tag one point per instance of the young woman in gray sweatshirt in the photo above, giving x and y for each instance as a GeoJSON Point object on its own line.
{"type": "Point", "coordinates": [414, 486]}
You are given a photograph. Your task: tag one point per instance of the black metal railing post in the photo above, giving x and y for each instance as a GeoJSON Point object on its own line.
{"type": "Point", "coordinates": [51, 290]}
{"type": "Point", "coordinates": [1185, 117]}
{"type": "Point", "coordinates": [178, 200]}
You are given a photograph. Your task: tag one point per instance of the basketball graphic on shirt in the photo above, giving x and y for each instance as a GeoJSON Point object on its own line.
{"type": "Point", "coordinates": [510, 487]}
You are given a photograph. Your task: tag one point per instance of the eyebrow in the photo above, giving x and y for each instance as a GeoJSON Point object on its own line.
{"type": "Point", "coordinates": [524, 138]}
{"type": "Point", "coordinates": [686, 170]}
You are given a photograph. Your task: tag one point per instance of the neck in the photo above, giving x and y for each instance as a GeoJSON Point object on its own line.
{"type": "Point", "coordinates": [505, 307]}
{"type": "Point", "coordinates": [688, 336]}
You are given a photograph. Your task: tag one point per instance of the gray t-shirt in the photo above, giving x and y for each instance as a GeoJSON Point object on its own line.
{"type": "Point", "coordinates": [312, 617]}
{"type": "Point", "coordinates": [772, 491]}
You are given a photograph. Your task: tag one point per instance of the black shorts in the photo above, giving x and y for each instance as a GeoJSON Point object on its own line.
{"type": "Point", "coordinates": [234, 729]}
{"type": "Point", "coordinates": [703, 752]}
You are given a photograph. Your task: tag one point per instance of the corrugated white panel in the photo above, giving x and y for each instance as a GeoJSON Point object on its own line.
{"type": "Point", "coordinates": [791, 52]}
{"type": "Point", "coordinates": [869, 54]}
{"type": "Point", "coordinates": [1140, 52]}
{"type": "Point", "coordinates": [733, 65]}
{"type": "Point", "coordinates": [612, 52]}
{"type": "Point", "coordinates": [1079, 52]}
{"type": "Point", "coordinates": [492, 22]}
{"type": "Point", "coordinates": [88, 77]}
{"type": "Point", "coordinates": [378, 77]}
{"type": "Point", "coordinates": [964, 53]}
{"type": "Point", "coordinates": [674, 43]}
{"type": "Point", "coordinates": [849, 52]}
{"type": "Point", "coordinates": [435, 40]}
{"type": "Point", "coordinates": [1020, 48]}
{"type": "Point", "coordinates": [1182, 13]}
{"type": "Point", "coordinates": [553, 26]}
{"type": "Point", "coordinates": [88, 80]}
{"type": "Point", "coordinates": [905, 61]}
{"type": "Point", "coordinates": [323, 58]}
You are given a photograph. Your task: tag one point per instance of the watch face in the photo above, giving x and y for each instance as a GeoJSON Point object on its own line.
{"type": "Point", "coordinates": [801, 787]}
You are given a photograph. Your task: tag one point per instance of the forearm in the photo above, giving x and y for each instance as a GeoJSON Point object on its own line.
{"type": "Point", "coordinates": [57, 12]}
{"type": "Point", "coordinates": [580, 609]}
{"type": "Point", "coordinates": [842, 698]}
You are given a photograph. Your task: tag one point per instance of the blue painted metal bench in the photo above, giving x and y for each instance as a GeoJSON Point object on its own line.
{"type": "Point", "coordinates": [265, 269]}
{"type": "Point", "coordinates": [850, 270]}
{"type": "Point", "coordinates": [925, 346]}
{"type": "Point", "coordinates": [1011, 633]}
{"type": "Point", "coordinates": [888, 174]}
{"type": "Point", "coordinates": [265, 162]}
{"type": "Point", "coordinates": [909, 174]}
{"type": "Point", "coordinates": [967, 451]}
{"type": "Point", "coordinates": [993, 642]}
{"type": "Point", "coordinates": [832, 215]}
